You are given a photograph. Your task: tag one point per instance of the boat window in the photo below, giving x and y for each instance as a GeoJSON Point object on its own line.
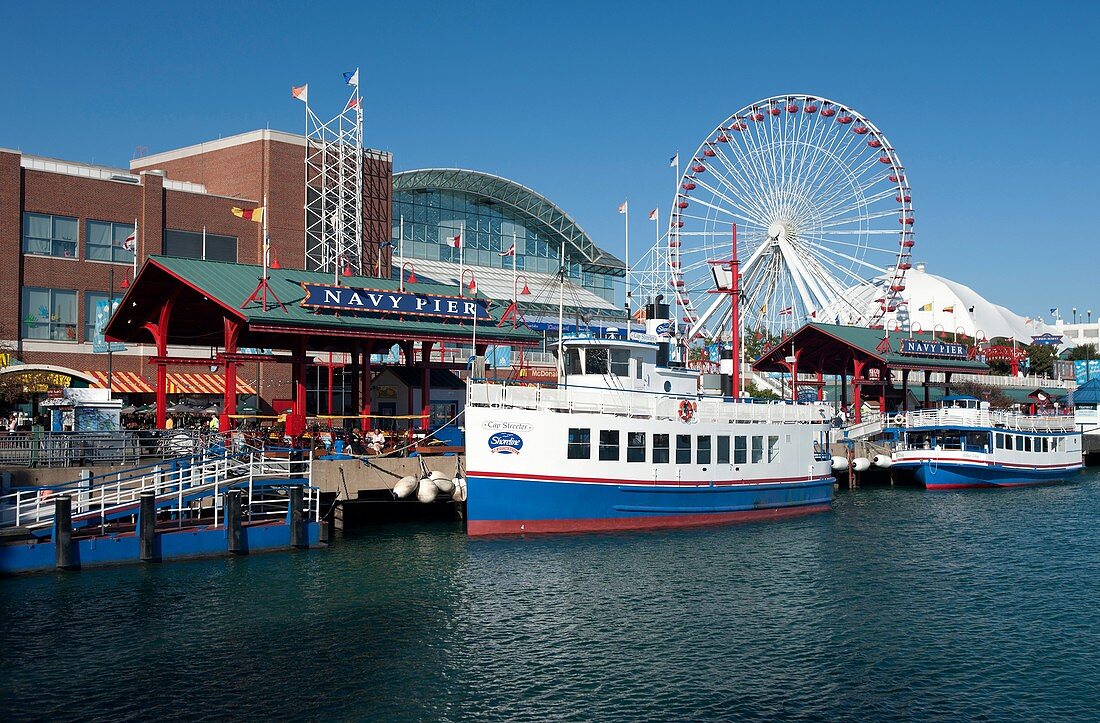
{"type": "Point", "coordinates": [1000, 440]}
{"type": "Point", "coordinates": [757, 448]}
{"type": "Point", "coordinates": [620, 362]}
{"type": "Point", "coordinates": [635, 446]}
{"type": "Point", "coordinates": [773, 448]}
{"type": "Point", "coordinates": [580, 443]}
{"type": "Point", "coordinates": [740, 450]}
{"type": "Point", "coordinates": [723, 450]}
{"type": "Point", "coordinates": [609, 445]}
{"type": "Point", "coordinates": [1027, 444]}
{"type": "Point", "coordinates": [917, 440]}
{"type": "Point", "coordinates": [572, 361]}
{"type": "Point", "coordinates": [660, 449]}
{"type": "Point", "coordinates": [683, 449]}
{"type": "Point", "coordinates": [702, 449]}
{"type": "Point", "coordinates": [1054, 445]}
{"type": "Point", "coordinates": [1046, 444]}
{"type": "Point", "coordinates": [1019, 443]}
{"type": "Point", "coordinates": [595, 360]}
{"type": "Point", "coordinates": [977, 441]}
{"type": "Point", "coordinates": [637, 368]}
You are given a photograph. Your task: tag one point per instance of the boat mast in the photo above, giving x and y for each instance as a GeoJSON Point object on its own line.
{"type": "Point", "coordinates": [561, 314]}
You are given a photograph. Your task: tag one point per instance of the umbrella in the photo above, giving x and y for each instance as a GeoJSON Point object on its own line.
{"type": "Point", "coordinates": [127, 410]}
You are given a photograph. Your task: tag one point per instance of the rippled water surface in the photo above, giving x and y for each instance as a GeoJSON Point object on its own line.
{"type": "Point", "coordinates": [898, 604]}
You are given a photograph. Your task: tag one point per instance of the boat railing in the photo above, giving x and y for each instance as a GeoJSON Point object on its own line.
{"type": "Point", "coordinates": [567, 399]}
{"type": "Point", "coordinates": [949, 417]}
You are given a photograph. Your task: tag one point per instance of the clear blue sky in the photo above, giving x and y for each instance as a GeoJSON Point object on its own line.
{"type": "Point", "coordinates": [991, 105]}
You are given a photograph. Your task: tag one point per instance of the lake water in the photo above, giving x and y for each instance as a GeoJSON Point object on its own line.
{"type": "Point", "coordinates": [899, 604]}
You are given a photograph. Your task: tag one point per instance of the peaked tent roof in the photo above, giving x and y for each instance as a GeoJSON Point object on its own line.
{"type": "Point", "coordinates": [211, 290]}
{"type": "Point", "coordinates": [817, 346]}
{"type": "Point", "coordinates": [1087, 393]}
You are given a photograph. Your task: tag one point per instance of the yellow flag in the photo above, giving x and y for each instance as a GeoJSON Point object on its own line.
{"type": "Point", "coordinates": [249, 214]}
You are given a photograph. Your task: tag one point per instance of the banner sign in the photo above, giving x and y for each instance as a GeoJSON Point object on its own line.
{"type": "Point", "coordinates": [920, 347]}
{"type": "Point", "coordinates": [324, 296]}
{"type": "Point", "coordinates": [103, 311]}
{"type": "Point", "coordinates": [1051, 339]}
{"type": "Point", "coordinates": [1086, 370]}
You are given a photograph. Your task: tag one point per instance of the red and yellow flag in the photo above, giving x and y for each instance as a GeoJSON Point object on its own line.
{"type": "Point", "coordinates": [249, 214]}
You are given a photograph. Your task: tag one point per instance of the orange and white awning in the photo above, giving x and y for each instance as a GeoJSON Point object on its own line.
{"type": "Point", "coordinates": [122, 382]}
{"type": "Point", "coordinates": [203, 383]}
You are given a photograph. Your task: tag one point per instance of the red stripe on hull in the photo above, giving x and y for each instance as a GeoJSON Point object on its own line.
{"type": "Point", "coordinates": [476, 528]}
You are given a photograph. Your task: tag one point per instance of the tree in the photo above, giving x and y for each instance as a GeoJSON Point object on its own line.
{"type": "Point", "coordinates": [1082, 352]}
{"type": "Point", "coordinates": [994, 395]}
{"type": "Point", "coordinates": [1041, 358]}
{"type": "Point", "coordinates": [759, 393]}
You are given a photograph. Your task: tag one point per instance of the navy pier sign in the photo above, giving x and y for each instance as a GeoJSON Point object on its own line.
{"type": "Point", "coordinates": [325, 296]}
{"type": "Point", "coordinates": [920, 347]}
{"type": "Point", "coordinates": [1048, 339]}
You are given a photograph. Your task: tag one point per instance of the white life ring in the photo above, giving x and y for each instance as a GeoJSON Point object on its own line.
{"type": "Point", "coordinates": [899, 419]}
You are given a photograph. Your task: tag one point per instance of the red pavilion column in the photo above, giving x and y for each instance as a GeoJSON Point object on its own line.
{"type": "Point", "coordinates": [857, 390]}
{"type": "Point", "coordinates": [296, 420]}
{"type": "Point", "coordinates": [425, 384]}
{"type": "Point", "coordinates": [229, 395]}
{"type": "Point", "coordinates": [159, 330]}
{"type": "Point", "coordinates": [367, 372]}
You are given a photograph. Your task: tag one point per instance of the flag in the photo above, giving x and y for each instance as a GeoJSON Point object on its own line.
{"type": "Point", "coordinates": [622, 207]}
{"type": "Point", "coordinates": [510, 252]}
{"type": "Point", "coordinates": [949, 309]}
{"type": "Point", "coordinates": [130, 244]}
{"type": "Point", "coordinates": [352, 78]}
{"type": "Point", "coordinates": [249, 214]}
{"type": "Point", "coordinates": [454, 241]}
{"type": "Point", "coordinates": [352, 103]}
{"type": "Point", "coordinates": [787, 311]}
{"type": "Point", "coordinates": [674, 160]}
{"type": "Point", "coordinates": [653, 215]}
{"type": "Point", "coordinates": [639, 315]}
{"type": "Point", "coordinates": [301, 93]}
{"type": "Point", "coordinates": [387, 245]}
{"type": "Point", "coordinates": [1054, 313]}
{"type": "Point", "coordinates": [926, 307]}
{"type": "Point", "coordinates": [764, 309]}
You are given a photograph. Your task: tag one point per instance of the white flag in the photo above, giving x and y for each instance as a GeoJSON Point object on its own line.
{"type": "Point", "coordinates": [653, 215]}
{"type": "Point", "coordinates": [622, 207]}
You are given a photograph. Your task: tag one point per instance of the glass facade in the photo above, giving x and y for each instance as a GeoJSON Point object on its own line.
{"type": "Point", "coordinates": [433, 216]}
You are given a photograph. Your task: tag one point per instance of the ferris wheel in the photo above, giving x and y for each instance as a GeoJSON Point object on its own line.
{"type": "Point", "coordinates": [824, 222]}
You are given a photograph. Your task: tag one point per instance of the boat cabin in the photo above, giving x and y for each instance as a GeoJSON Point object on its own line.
{"type": "Point", "coordinates": [621, 364]}
{"type": "Point", "coordinates": [963, 402]}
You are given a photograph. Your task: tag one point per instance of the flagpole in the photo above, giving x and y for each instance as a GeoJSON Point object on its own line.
{"type": "Point", "coordinates": [204, 240]}
{"type": "Point", "coordinates": [561, 314]}
{"type": "Point", "coordinates": [626, 235]}
{"type": "Point", "coordinates": [401, 248]}
{"type": "Point", "coordinates": [514, 301]}
{"type": "Point", "coordinates": [461, 261]}
{"type": "Point", "coordinates": [135, 248]}
{"type": "Point", "coordinates": [264, 246]}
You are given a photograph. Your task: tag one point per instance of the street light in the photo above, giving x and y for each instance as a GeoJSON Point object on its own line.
{"type": "Point", "coordinates": [1075, 315]}
{"type": "Point", "coordinates": [472, 286]}
{"type": "Point", "coordinates": [412, 274]}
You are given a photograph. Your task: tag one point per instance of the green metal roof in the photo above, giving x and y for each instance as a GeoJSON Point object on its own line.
{"type": "Point", "coordinates": [229, 285]}
{"type": "Point", "coordinates": [868, 340]}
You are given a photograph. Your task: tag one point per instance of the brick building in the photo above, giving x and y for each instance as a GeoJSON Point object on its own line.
{"type": "Point", "coordinates": [63, 228]}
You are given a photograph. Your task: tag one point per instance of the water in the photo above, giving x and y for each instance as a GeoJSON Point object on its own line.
{"type": "Point", "coordinates": [897, 605]}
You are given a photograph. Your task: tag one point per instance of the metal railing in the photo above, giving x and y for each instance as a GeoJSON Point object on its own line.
{"type": "Point", "coordinates": [176, 484]}
{"type": "Point", "coordinates": [983, 418]}
{"type": "Point", "coordinates": [70, 449]}
{"type": "Point", "coordinates": [568, 399]}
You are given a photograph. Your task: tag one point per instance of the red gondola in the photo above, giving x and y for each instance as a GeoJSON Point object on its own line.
{"type": "Point", "coordinates": [906, 220]}
{"type": "Point", "coordinates": [828, 112]}
{"type": "Point", "coordinates": [682, 204]}
{"type": "Point", "coordinates": [688, 186]}
{"type": "Point", "coordinates": [738, 126]}
{"type": "Point", "coordinates": [810, 108]}
{"type": "Point", "coordinates": [875, 143]}
{"type": "Point", "coordinates": [758, 116]}
{"type": "Point", "coordinates": [900, 199]}
{"type": "Point", "coordinates": [698, 168]}
{"type": "Point", "coordinates": [774, 111]}
{"type": "Point", "coordinates": [709, 153]}
{"type": "Point", "coordinates": [844, 119]}
{"type": "Point", "coordinates": [792, 108]}
{"type": "Point", "coordinates": [722, 138]}
{"type": "Point", "coordinates": [895, 179]}
{"type": "Point", "coordinates": [674, 244]}
{"type": "Point", "coordinates": [860, 130]}
{"type": "Point", "coordinates": [905, 267]}
{"type": "Point", "coordinates": [908, 243]}
{"type": "Point", "coordinates": [884, 159]}
{"type": "Point", "coordinates": [897, 287]}
{"type": "Point", "coordinates": [679, 224]}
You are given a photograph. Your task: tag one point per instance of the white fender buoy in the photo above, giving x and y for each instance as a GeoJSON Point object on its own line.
{"type": "Point", "coordinates": [445, 484]}
{"type": "Point", "coordinates": [840, 464]}
{"type": "Point", "coordinates": [460, 490]}
{"type": "Point", "coordinates": [405, 487]}
{"type": "Point", "coordinates": [427, 491]}
{"type": "Point", "coordinates": [882, 460]}
{"type": "Point", "coordinates": [436, 474]}
{"type": "Point", "coordinates": [861, 464]}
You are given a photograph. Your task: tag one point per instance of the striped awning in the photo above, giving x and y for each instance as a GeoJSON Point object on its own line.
{"type": "Point", "coordinates": [123, 382]}
{"type": "Point", "coordinates": [203, 383]}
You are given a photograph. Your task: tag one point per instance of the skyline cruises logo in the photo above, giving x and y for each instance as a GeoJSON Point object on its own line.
{"type": "Point", "coordinates": [505, 443]}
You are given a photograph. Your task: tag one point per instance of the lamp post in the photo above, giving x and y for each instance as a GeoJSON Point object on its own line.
{"type": "Point", "coordinates": [472, 287]}
{"type": "Point", "coordinates": [515, 297]}
{"type": "Point", "coordinates": [412, 274]}
{"type": "Point", "coordinates": [1088, 351]}
{"type": "Point", "coordinates": [940, 329]}
{"type": "Point", "coordinates": [957, 330]}
{"type": "Point", "coordinates": [1075, 315]}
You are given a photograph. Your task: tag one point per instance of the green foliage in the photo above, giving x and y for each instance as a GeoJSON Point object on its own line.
{"type": "Point", "coordinates": [1082, 352]}
{"type": "Point", "coordinates": [758, 393]}
{"type": "Point", "coordinates": [1041, 358]}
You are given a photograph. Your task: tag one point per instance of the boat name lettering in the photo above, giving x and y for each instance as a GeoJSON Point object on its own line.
{"type": "Point", "coordinates": [323, 296]}
{"type": "Point", "coordinates": [664, 329]}
{"type": "Point", "coordinates": [505, 443]}
{"type": "Point", "coordinates": [507, 426]}
{"type": "Point", "coordinates": [919, 347]}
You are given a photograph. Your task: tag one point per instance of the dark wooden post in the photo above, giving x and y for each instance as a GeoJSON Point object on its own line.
{"type": "Point", "coordinates": [147, 526]}
{"type": "Point", "coordinates": [297, 531]}
{"type": "Point", "coordinates": [234, 535]}
{"type": "Point", "coordinates": [63, 533]}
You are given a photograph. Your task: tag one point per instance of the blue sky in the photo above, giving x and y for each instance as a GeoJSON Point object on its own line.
{"type": "Point", "coordinates": [990, 105]}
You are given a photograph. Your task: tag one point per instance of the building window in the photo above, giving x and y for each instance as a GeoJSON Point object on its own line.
{"type": "Point", "coordinates": [317, 390]}
{"type": "Point", "coordinates": [595, 360]}
{"type": "Point", "coordinates": [660, 449]}
{"type": "Point", "coordinates": [740, 450]}
{"type": "Point", "coordinates": [105, 241]}
{"type": "Point", "coordinates": [92, 302]}
{"type": "Point", "coordinates": [702, 450]}
{"type": "Point", "coordinates": [49, 314]}
{"type": "Point", "coordinates": [723, 450]}
{"type": "Point", "coordinates": [683, 449]}
{"type": "Point", "coordinates": [609, 445]}
{"type": "Point", "coordinates": [757, 449]}
{"type": "Point", "coordinates": [191, 245]}
{"type": "Point", "coordinates": [635, 446]}
{"type": "Point", "coordinates": [45, 235]}
{"type": "Point", "coordinates": [580, 443]}
{"type": "Point", "coordinates": [773, 448]}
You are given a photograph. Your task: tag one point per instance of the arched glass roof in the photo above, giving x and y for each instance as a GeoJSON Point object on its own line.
{"type": "Point", "coordinates": [525, 203]}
